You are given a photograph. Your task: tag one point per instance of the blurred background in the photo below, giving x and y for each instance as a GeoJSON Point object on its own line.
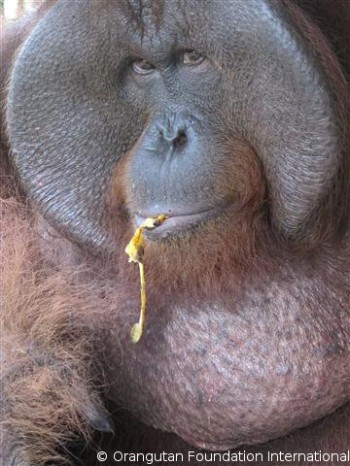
{"type": "Point", "coordinates": [13, 9]}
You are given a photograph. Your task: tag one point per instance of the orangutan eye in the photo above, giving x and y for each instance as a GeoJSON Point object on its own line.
{"type": "Point", "coordinates": [192, 57]}
{"type": "Point", "coordinates": [142, 67]}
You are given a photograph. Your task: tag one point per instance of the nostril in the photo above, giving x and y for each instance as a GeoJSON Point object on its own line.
{"type": "Point", "coordinates": [181, 138]}
{"type": "Point", "coordinates": [174, 137]}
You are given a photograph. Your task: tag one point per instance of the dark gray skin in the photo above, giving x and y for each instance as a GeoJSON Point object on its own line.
{"type": "Point", "coordinates": [244, 143]}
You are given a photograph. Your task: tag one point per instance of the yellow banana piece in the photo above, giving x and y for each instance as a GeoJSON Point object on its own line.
{"type": "Point", "coordinates": [135, 250]}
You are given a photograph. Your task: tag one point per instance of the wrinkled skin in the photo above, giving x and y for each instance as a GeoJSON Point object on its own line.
{"type": "Point", "coordinates": [233, 120]}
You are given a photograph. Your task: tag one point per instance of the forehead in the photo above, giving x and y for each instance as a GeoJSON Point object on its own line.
{"type": "Point", "coordinates": [214, 26]}
{"type": "Point", "coordinates": [163, 24]}
{"type": "Point", "coordinates": [162, 20]}
{"type": "Point", "coordinates": [171, 20]}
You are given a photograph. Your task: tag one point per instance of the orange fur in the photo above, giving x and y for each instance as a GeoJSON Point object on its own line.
{"type": "Point", "coordinates": [48, 375]}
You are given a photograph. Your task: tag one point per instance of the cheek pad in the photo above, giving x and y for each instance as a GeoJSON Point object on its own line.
{"type": "Point", "coordinates": [66, 122]}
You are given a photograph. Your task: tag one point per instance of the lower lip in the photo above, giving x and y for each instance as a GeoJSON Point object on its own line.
{"type": "Point", "coordinates": [178, 223]}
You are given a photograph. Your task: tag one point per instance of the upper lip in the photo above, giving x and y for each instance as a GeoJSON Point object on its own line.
{"type": "Point", "coordinates": [171, 213]}
{"type": "Point", "coordinates": [176, 220]}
